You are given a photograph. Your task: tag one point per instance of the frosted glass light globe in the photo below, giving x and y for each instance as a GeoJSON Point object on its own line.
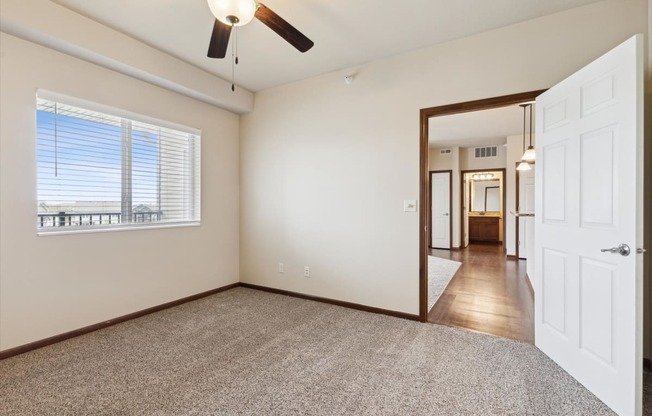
{"type": "Point", "coordinates": [244, 10]}
{"type": "Point", "coordinates": [529, 155]}
{"type": "Point", "coordinates": [523, 166]}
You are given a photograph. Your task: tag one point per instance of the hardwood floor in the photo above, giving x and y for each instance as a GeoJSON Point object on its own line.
{"type": "Point", "coordinates": [488, 294]}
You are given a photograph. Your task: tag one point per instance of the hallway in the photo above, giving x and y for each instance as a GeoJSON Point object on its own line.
{"type": "Point", "coordinates": [488, 294]}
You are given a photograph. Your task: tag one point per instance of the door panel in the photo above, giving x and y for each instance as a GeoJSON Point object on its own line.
{"type": "Point", "coordinates": [554, 182]}
{"type": "Point", "coordinates": [597, 284]}
{"type": "Point", "coordinates": [554, 281]}
{"type": "Point", "coordinates": [440, 206]}
{"type": "Point", "coordinates": [588, 303]}
{"type": "Point", "coordinates": [598, 198]}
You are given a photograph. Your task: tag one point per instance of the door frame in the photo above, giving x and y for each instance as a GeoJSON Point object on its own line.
{"type": "Point", "coordinates": [502, 185]}
{"type": "Point", "coordinates": [424, 178]}
{"type": "Point", "coordinates": [450, 209]}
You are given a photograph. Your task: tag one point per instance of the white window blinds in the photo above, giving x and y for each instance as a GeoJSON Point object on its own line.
{"type": "Point", "coordinates": [104, 169]}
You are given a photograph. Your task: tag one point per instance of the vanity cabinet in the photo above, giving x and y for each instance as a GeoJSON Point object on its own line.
{"type": "Point", "coordinates": [484, 229]}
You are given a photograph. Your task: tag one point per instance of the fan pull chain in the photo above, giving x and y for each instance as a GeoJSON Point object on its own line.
{"type": "Point", "coordinates": [56, 139]}
{"type": "Point", "coordinates": [233, 60]}
{"type": "Point", "coordinates": [234, 57]}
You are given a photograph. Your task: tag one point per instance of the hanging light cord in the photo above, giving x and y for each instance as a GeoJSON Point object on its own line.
{"type": "Point", "coordinates": [524, 115]}
{"type": "Point", "coordinates": [530, 125]}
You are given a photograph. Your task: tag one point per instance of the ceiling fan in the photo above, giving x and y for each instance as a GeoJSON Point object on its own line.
{"type": "Point", "coordinates": [230, 14]}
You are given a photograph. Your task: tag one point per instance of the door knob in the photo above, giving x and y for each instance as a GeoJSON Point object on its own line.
{"type": "Point", "coordinates": [622, 249]}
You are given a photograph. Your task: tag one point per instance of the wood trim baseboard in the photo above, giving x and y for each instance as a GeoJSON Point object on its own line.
{"type": "Point", "coordinates": [101, 325]}
{"type": "Point", "coordinates": [349, 305]}
{"type": "Point", "coordinates": [529, 284]}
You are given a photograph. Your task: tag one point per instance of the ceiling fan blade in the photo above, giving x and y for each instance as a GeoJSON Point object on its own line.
{"type": "Point", "coordinates": [219, 40]}
{"type": "Point", "coordinates": [283, 28]}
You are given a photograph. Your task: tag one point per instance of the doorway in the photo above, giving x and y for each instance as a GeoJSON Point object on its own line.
{"type": "Point", "coordinates": [424, 176]}
{"type": "Point", "coordinates": [471, 284]}
{"type": "Point", "coordinates": [483, 207]}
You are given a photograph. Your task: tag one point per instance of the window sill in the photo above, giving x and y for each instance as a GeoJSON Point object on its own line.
{"type": "Point", "coordinates": [108, 228]}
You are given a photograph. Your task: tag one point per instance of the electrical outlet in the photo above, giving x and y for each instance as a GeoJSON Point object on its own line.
{"type": "Point", "coordinates": [281, 268]}
{"type": "Point", "coordinates": [306, 271]}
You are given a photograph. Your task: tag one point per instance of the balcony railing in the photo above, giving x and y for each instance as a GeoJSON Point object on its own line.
{"type": "Point", "coordinates": [69, 219]}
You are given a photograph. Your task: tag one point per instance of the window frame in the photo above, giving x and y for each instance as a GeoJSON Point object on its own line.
{"type": "Point", "coordinates": [194, 158]}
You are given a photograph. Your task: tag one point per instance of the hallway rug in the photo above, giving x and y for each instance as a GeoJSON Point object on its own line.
{"type": "Point", "coordinates": [440, 272]}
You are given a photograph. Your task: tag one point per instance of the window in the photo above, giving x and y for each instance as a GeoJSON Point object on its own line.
{"type": "Point", "coordinates": [110, 169]}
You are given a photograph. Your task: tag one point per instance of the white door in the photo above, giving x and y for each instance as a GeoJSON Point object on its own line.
{"type": "Point", "coordinates": [588, 303]}
{"type": "Point", "coordinates": [525, 205]}
{"type": "Point", "coordinates": [440, 206]}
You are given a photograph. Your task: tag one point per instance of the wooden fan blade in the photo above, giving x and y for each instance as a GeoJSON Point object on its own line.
{"type": "Point", "coordinates": [219, 40]}
{"type": "Point", "coordinates": [283, 28]}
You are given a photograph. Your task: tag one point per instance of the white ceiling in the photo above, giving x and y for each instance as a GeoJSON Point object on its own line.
{"type": "Point", "coordinates": [477, 128]}
{"type": "Point", "coordinates": [346, 33]}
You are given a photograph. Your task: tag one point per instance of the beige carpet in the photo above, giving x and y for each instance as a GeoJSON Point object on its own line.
{"type": "Point", "coordinates": [440, 273]}
{"type": "Point", "coordinates": [246, 352]}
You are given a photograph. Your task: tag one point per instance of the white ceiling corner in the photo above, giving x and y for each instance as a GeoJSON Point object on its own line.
{"type": "Point", "coordinates": [346, 33]}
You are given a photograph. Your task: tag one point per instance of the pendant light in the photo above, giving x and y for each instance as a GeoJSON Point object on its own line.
{"type": "Point", "coordinates": [529, 155]}
{"type": "Point", "coordinates": [523, 165]}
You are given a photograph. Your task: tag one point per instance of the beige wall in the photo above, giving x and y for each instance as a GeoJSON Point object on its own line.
{"type": "Point", "coordinates": [54, 284]}
{"type": "Point", "coordinates": [437, 161]}
{"type": "Point", "coordinates": [324, 174]}
{"type": "Point", "coordinates": [469, 162]}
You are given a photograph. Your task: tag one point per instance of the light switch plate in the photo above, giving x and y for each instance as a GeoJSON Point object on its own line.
{"type": "Point", "coordinates": [410, 205]}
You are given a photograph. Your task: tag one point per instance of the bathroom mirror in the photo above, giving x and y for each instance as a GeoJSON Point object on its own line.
{"type": "Point", "coordinates": [485, 196]}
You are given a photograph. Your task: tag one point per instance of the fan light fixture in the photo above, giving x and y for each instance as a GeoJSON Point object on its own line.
{"type": "Point", "coordinates": [482, 176]}
{"type": "Point", "coordinates": [233, 12]}
{"type": "Point", "coordinates": [230, 14]}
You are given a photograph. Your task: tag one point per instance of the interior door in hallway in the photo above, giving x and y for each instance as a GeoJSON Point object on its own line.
{"type": "Point", "coordinates": [525, 205]}
{"type": "Point", "coordinates": [440, 202]}
{"type": "Point", "coordinates": [588, 296]}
